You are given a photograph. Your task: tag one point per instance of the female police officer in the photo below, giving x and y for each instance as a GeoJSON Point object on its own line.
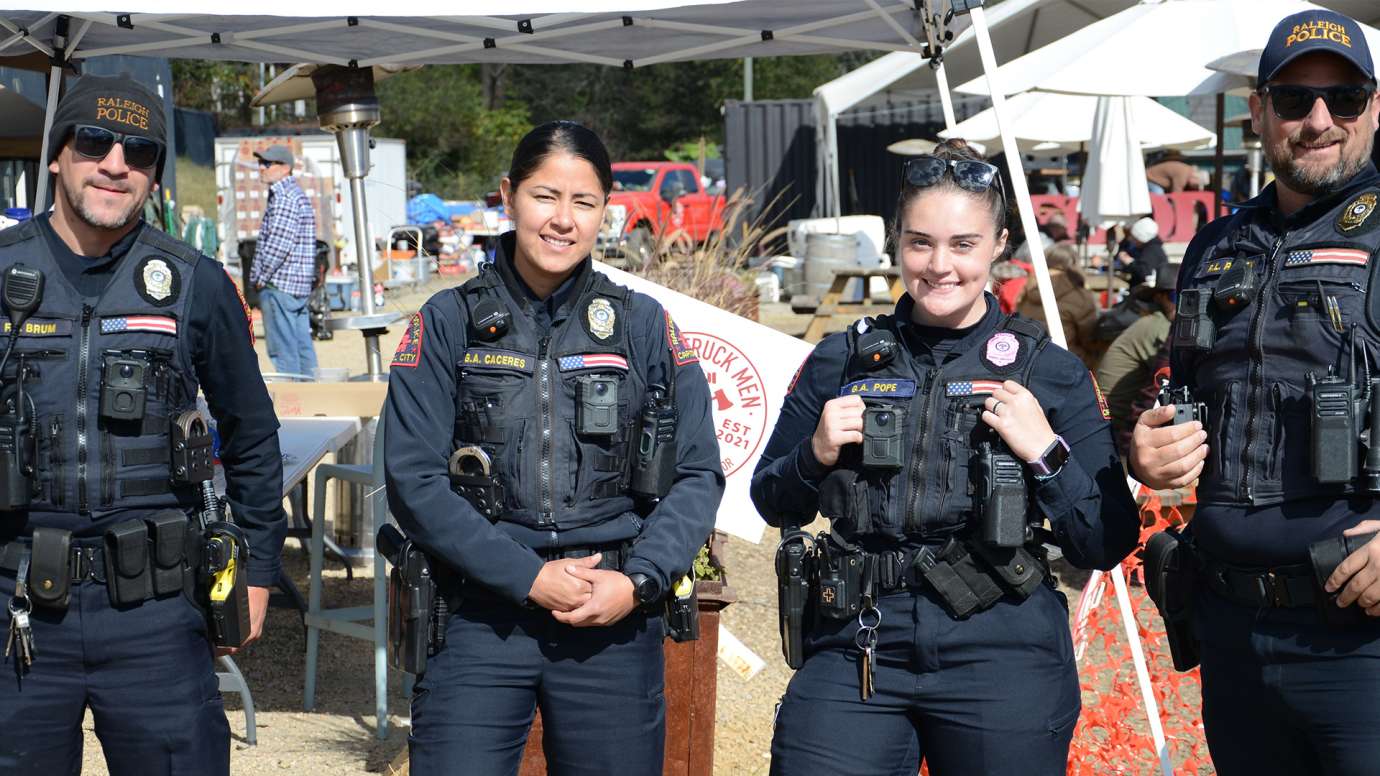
{"type": "Point", "coordinates": [933, 438]}
{"type": "Point", "coordinates": [533, 380]}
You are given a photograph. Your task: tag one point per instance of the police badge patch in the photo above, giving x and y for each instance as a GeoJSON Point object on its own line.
{"type": "Point", "coordinates": [1356, 216]}
{"type": "Point", "coordinates": [600, 318]}
{"type": "Point", "coordinates": [156, 281]}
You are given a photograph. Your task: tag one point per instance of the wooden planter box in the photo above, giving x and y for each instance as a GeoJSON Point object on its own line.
{"type": "Point", "coordinates": [691, 690]}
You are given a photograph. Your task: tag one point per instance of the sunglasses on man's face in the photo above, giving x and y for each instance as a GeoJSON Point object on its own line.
{"type": "Point", "coordinates": [96, 142]}
{"type": "Point", "coordinates": [265, 163]}
{"type": "Point", "coordinates": [1291, 102]}
{"type": "Point", "coordinates": [925, 171]}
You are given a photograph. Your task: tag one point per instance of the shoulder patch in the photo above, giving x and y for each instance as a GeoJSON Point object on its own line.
{"type": "Point", "coordinates": [880, 389]}
{"type": "Point", "coordinates": [1101, 397]}
{"type": "Point", "coordinates": [492, 358]}
{"type": "Point", "coordinates": [244, 304]}
{"type": "Point", "coordinates": [1355, 217]}
{"type": "Point", "coordinates": [683, 353]}
{"type": "Point", "coordinates": [795, 378]}
{"type": "Point", "coordinates": [409, 352]}
{"type": "Point", "coordinates": [157, 280]}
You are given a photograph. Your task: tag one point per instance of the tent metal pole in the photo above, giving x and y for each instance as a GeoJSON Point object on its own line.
{"type": "Point", "coordinates": [747, 79]}
{"type": "Point", "coordinates": [946, 99]}
{"type": "Point", "coordinates": [49, 110]}
{"type": "Point", "coordinates": [1020, 191]}
{"type": "Point", "coordinates": [1218, 157]}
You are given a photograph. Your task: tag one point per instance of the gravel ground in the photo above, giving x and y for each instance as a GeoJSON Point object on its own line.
{"type": "Point", "coordinates": [338, 737]}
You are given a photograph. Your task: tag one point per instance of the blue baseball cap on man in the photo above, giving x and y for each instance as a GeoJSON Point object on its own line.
{"type": "Point", "coordinates": [1316, 30]}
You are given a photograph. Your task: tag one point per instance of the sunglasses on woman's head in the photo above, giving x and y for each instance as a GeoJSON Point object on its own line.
{"type": "Point", "coordinates": [95, 143]}
{"type": "Point", "coordinates": [1291, 102]}
{"type": "Point", "coordinates": [925, 171]}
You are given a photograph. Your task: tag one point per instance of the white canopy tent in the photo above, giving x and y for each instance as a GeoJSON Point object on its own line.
{"type": "Point", "coordinates": [1063, 123]}
{"type": "Point", "coordinates": [1161, 48]}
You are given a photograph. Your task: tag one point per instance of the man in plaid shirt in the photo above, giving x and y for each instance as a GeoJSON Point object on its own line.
{"type": "Point", "coordinates": [285, 265]}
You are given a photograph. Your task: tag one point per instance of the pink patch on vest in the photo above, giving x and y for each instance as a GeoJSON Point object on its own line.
{"type": "Point", "coordinates": [1002, 348]}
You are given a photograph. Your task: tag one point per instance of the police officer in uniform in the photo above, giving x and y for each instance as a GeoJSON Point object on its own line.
{"type": "Point", "coordinates": [96, 523]}
{"type": "Point", "coordinates": [938, 439]}
{"type": "Point", "coordinates": [1277, 335]}
{"type": "Point", "coordinates": [533, 384]}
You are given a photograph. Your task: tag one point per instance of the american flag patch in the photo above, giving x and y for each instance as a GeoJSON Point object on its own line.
{"type": "Point", "coordinates": [592, 361]}
{"type": "Point", "coordinates": [971, 387]}
{"type": "Point", "coordinates": [160, 324]}
{"type": "Point", "coordinates": [1327, 256]}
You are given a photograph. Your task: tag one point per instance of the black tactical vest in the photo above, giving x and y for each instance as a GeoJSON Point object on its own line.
{"type": "Point", "coordinates": [86, 463]}
{"type": "Point", "coordinates": [1311, 289]}
{"type": "Point", "coordinates": [931, 495]}
{"type": "Point", "coordinates": [517, 396]}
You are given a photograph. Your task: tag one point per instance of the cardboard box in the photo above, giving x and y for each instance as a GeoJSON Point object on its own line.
{"type": "Point", "coordinates": [360, 400]}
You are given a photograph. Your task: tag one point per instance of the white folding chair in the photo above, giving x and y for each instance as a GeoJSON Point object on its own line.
{"type": "Point", "coordinates": [369, 623]}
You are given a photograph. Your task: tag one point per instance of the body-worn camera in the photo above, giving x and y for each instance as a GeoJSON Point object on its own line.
{"type": "Point", "coordinates": [883, 436]}
{"type": "Point", "coordinates": [597, 409]}
{"type": "Point", "coordinates": [1003, 500]}
{"type": "Point", "coordinates": [123, 386]}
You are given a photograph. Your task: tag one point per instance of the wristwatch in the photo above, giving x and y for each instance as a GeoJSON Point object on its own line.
{"type": "Point", "coordinates": [646, 591]}
{"type": "Point", "coordinates": [1051, 460]}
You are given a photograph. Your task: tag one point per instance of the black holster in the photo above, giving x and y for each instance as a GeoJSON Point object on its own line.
{"type": "Point", "coordinates": [683, 612]}
{"type": "Point", "coordinates": [1171, 574]}
{"type": "Point", "coordinates": [50, 578]}
{"type": "Point", "coordinates": [794, 558]}
{"type": "Point", "coordinates": [1325, 556]}
{"type": "Point", "coordinates": [417, 610]}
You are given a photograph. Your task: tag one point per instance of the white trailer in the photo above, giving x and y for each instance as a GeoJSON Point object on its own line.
{"type": "Point", "coordinates": [241, 196]}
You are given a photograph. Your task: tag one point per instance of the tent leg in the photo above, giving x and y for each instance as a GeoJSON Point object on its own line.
{"type": "Point", "coordinates": [1020, 192]}
{"type": "Point", "coordinates": [946, 99]}
{"type": "Point", "coordinates": [54, 89]}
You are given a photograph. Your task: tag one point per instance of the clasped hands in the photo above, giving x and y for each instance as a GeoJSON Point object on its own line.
{"type": "Point", "coordinates": [580, 595]}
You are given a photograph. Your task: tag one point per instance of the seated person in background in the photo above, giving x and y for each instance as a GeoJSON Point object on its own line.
{"type": "Point", "coordinates": [1171, 174]}
{"type": "Point", "coordinates": [1077, 306]}
{"type": "Point", "coordinates": [1127, 371]}
{"type": "Point", "coordinates": [1056, 228]}
{"type": "Point", "coordinates": [1147, 255]}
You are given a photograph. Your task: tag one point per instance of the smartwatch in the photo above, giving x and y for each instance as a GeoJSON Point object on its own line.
{"type": "Point", "coordinates": [1051, 460]}
{"type": "Point", "coordinates": [646, 591]}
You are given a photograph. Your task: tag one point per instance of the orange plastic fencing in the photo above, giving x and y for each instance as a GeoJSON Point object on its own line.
{"type": "Point", "coordinates": [1113, 734]}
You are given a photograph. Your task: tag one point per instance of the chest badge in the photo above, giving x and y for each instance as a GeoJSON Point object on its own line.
{"type": "Point", "coordinates": [601, 318]}
{"type": "Point", "coordinates": [1356, 213]}
{"type": "Point", "coordinates": [1002, 349]}
{"type": "Point", "coordinates": [156, 281]}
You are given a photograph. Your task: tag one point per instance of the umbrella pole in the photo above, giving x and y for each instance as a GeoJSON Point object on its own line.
{"type": "Point", "coordinates": [40, 204]}
{"type": "Point", "coordinates": [1020, 191]}
{"type": "Point", "coordinates": [1218, 156]}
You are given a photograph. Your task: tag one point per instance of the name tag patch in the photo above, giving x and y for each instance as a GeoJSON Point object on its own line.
{"type": "Point", "coordinates": [879, 388]}
{"type": "Point", "coordinates": [39, 327]}
{"type": "Point", "coordinates": [160, 324]}
{"type": "Point", "coordinates": [592, 361]}
{"type": "Point", "coordinates": [484, 358]}
{"type": "Point", "coordinates": [1353, 256]}
{"type": "Point", "coordinates": [971, 387]}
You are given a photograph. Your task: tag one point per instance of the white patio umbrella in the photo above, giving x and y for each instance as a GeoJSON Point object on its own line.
{"type": "Point", "coordinates": [1114, 186]}
{"type": "Point", "coordinates": [1056, 123]}
{"type": "Point", "coordinates": [1159, 48]}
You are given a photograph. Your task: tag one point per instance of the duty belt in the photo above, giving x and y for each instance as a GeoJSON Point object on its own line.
{"type": "Point", "coordinates": [1289, 587]}
{"type": "Point", "coordinates": [613, 556]}
{"type": "Point", "coordinates": [86, 562]}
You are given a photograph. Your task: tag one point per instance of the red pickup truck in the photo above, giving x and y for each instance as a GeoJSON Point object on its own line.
{"type": "Point", "coordinates": [654, 198]}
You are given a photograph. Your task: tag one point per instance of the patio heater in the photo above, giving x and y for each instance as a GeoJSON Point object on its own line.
{"type": "Point", "coordinates": [347, 107]}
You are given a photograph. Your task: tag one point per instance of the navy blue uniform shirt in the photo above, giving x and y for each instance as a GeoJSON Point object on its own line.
{"type": "Point", "coordinates": [1089, 507]}
{"type": "Point", "coordinates": [419, 416]}
{"type": "Point", "coordinates": [228, 371]}
{"type": "Point", "coordinates": [1277, 534]}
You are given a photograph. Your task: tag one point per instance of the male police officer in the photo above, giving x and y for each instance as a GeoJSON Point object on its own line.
{"type": "Point", "coordinates": [96, 517]}
{"type": "Point", "coordinates": [1277, 323]}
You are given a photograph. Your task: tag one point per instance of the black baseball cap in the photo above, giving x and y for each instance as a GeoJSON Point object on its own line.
{"type": "Point", "coordinates": [118, 103]}
{"type": "Point", "coordinates": [1315, 30]}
